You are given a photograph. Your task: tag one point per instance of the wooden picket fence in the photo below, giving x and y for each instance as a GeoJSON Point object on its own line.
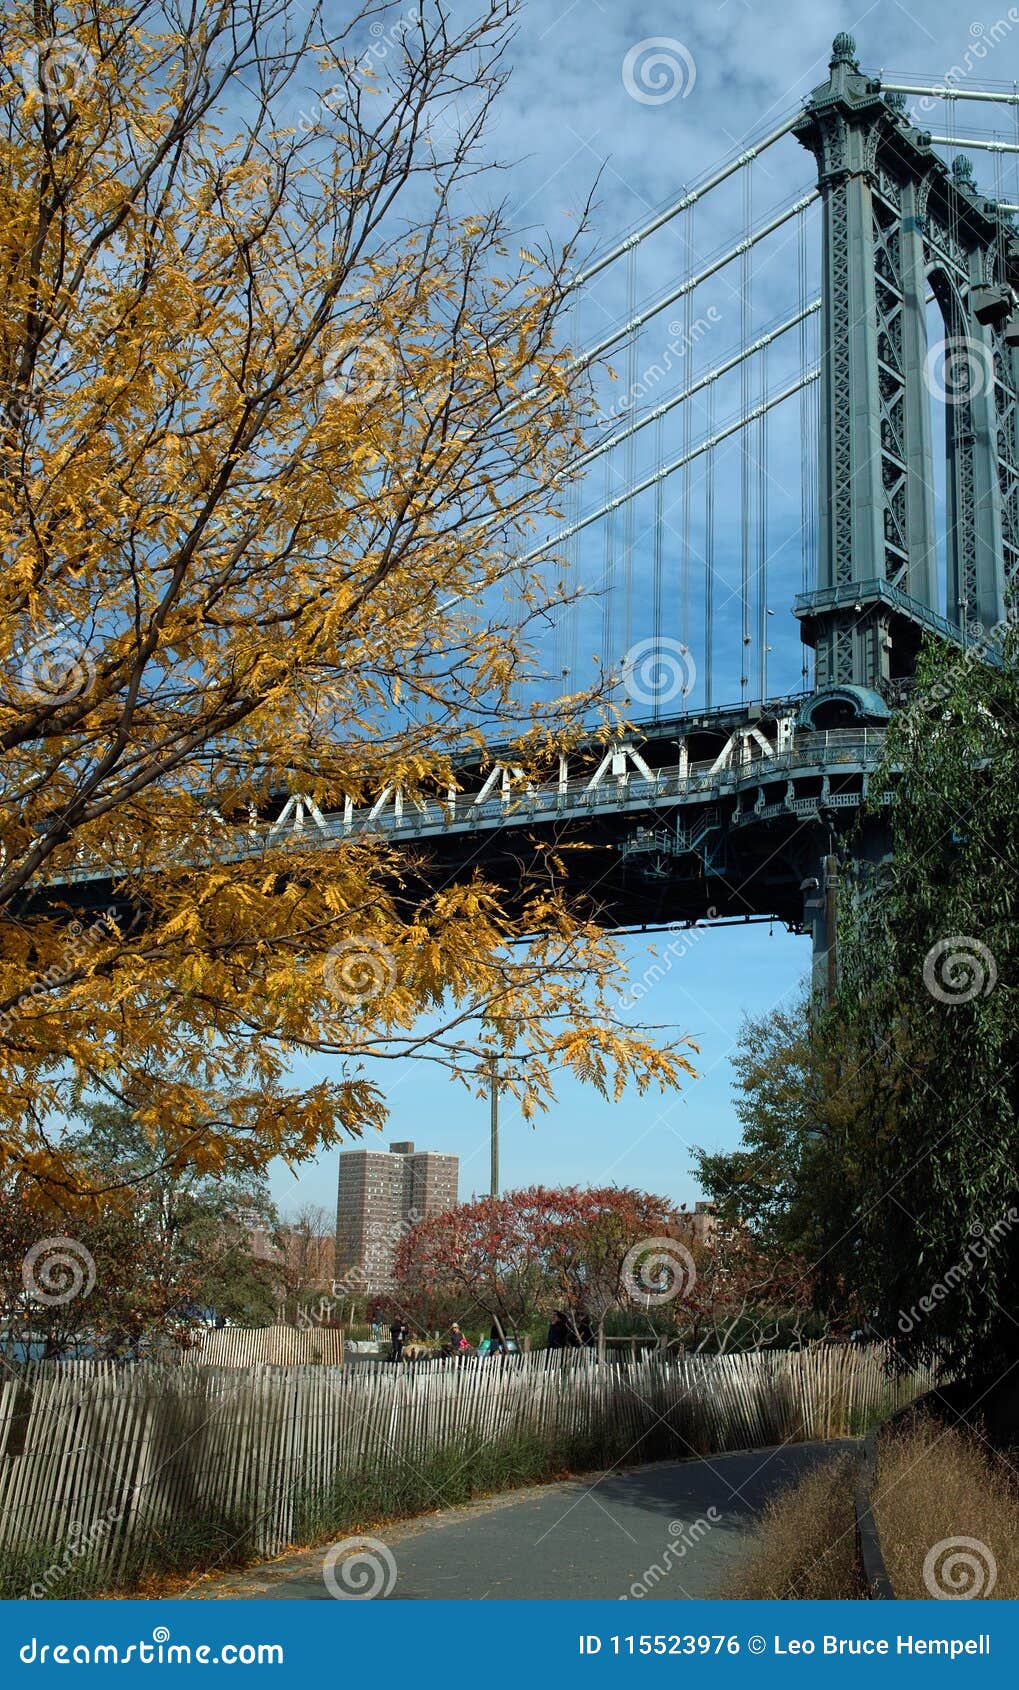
{"type": "Point", "coordinates": [269, 1346]}
{"type": "Point", "coordinates": [113, 1457]}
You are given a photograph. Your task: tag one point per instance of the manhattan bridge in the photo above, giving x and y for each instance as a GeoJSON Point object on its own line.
{"type": "Point", "coordinates": [770, 533]}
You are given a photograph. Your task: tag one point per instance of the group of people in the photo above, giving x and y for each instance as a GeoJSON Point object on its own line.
{"type": "Point", "coordinates": [456, 1343]}
{"type": "Point", "coordinates": [566, 1331]}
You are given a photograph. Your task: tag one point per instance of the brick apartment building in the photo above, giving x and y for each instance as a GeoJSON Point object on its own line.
{"type": "Point", "coordinates": [700, 1226]}
{"type": "Point", "coordinates": [381, 1194]}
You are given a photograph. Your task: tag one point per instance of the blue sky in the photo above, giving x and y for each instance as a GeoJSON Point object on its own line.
{"type": "Point", "coordinates": [569, 116]}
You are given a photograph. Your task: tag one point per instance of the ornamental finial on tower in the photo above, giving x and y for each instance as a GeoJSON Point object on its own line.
{"type": "Point", "coordinates": [962, 170]}
{"type": "Point", "coordinates": [843, 52]}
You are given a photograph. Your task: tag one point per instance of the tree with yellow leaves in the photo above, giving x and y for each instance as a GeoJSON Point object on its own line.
{"type": "Point", "coordinates": [275, 409]}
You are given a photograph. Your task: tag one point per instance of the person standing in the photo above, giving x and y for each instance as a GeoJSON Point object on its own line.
{"type": "Point", "coordinates": [559, 1335]}
{"type": "Point", "coordinates": [398, 1337]}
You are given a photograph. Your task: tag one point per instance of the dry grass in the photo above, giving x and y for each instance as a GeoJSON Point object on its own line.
{"type": "Point", "coordinates": [934, 1485]}
{"type": "Point", "coordinates": [805, 1546]}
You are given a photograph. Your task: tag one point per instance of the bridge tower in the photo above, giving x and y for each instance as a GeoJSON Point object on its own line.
{"type": "Point", "coordinates": [898, 225]}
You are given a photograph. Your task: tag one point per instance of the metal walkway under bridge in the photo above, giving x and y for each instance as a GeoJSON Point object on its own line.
{"type": "Point", "coordinates": [808, 461]}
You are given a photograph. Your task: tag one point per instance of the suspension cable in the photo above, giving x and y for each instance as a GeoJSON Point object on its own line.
{"type": "Point", "coordinates": [629, 458]}
{"type": "Point", "coordinates": [684, 591]}
{"type": "Point", "coordinates": [762, 539]}
{"type": "Point", "coordinates": [984, 146]}
{"type": "Point", "coordinates": [722, 174]}
{"type": "Point", "coordinates": [691, 282]}
{"type": "Point", "coordinates": [698, 386]}
{"type": "Point", "coordinates": [746, 369]}
{"type": "Point", "coordinates": [608, 605]}
{"type": "Point", "coordinates": [658, 545]}
{"type": "Point", "coordinates": [943, 93]}
{"type": "Point", "coordinates": [668, 469]}
{"type": "Point", "coordinates": [709, 553]}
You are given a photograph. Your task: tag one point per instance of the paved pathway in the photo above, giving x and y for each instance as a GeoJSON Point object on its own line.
{"type": "Point", "coordinates": [643, 1531]}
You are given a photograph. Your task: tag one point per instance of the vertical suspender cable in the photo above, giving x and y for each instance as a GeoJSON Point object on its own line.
{"type": "Point", "coordinates": [806, 488]}
{"type": "Point", "coordinates": [630, 455]}
{"type": "Point", "coordinates": [610, 656]}
{"type": "Point", "coordinates": [567, 660]}
{"type": "Point", "coordinates": [572, 572]}
{"type": "Point", "coordinates": [745, 440]}
{"type": "Point", "coordinates": [709, 551]}
{"type": "Point", "coordinates": [658, 545]}
{"type": "Point", "coordinates": [762, 536]}
{"type": "Point", "coordinates": [954, 422]}
{"type": "Point", "coordinates": [687, 350]}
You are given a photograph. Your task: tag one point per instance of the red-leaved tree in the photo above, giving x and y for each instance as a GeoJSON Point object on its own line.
{"type": "Point", "coordinates": [510, 1258]}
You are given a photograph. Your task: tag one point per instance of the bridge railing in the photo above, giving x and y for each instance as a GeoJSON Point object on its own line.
{"type": "Point", "coordinates": [701, 780]}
